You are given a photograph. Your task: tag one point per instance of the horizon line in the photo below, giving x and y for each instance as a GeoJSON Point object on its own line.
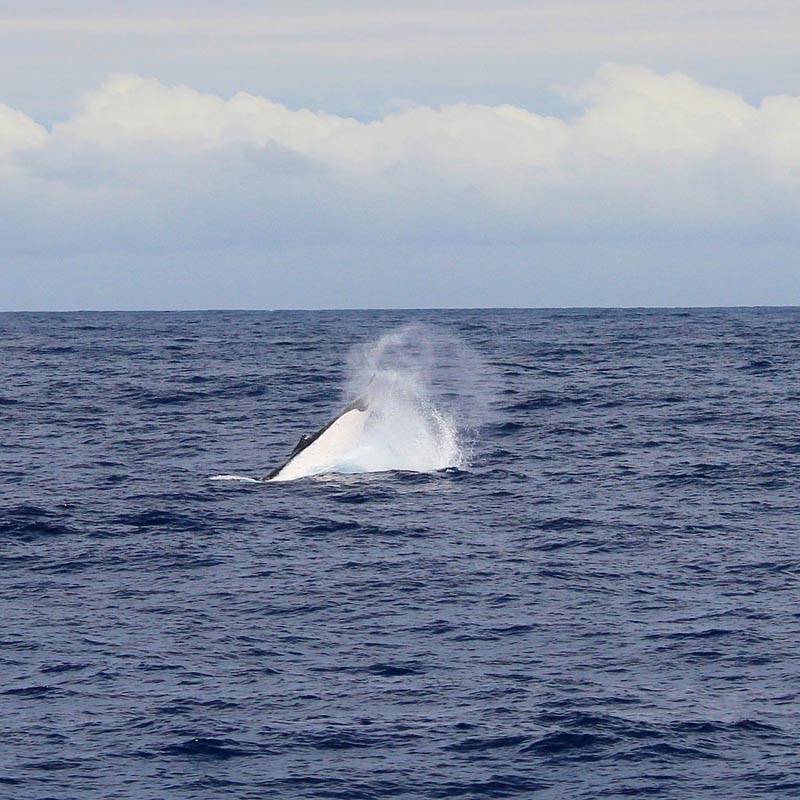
{"type": "Point", "coordinates": [394, 308]}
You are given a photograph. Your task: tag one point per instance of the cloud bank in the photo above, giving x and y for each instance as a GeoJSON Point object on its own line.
{"type": "Point", "coordinates": [141, 166]}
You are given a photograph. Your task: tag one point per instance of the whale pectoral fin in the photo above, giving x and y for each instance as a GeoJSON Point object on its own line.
{"type": "Point", "coordinates": [335, 438]}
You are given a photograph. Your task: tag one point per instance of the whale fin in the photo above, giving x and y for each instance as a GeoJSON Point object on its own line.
{"type": "Point", "coordinates": [320, 451]}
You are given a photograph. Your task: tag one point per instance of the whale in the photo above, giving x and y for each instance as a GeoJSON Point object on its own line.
{"type": "Point", "coordinates": [323, 451]}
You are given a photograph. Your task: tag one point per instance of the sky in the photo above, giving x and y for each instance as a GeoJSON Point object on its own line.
{"type": "Point", "coordinates": [313, 154]}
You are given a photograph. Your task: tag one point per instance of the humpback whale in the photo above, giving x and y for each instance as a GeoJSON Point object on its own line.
{"type": "Point", "coordinates": [322, 451]}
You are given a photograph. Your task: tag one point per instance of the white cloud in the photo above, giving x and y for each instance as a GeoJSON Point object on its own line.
{"type": "Point", "coordinates": [129, 110]}
{"type": "Point", "coordinates": [18, 131]}
{"type": "Point", "coordinates": [357, 56]}
{"type": "Point", "coordinates": [147, 166]}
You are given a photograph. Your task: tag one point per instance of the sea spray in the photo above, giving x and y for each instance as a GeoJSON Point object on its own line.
{"type": "Point", "coordinates": [419, 401]}
{"type": "Point", "coordinates": [420, 384]}
{"type": "Point", "coordinates": [404, 430]}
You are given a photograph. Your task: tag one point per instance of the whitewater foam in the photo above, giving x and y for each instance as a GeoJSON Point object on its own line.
{"type": "Point", "coordinates": [239, 478]}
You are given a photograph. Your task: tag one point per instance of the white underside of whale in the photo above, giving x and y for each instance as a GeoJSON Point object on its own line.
{"type": "Point", "coordinates": [330, 451]}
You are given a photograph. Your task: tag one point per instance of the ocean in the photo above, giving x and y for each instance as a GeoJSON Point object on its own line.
{"type": "Point", "coordinates": [594, 595]}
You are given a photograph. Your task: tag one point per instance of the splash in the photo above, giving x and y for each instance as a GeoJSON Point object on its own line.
{"type": "Point", "coordinates": [420, 418]}
{"type": "Point", "coordinates": [404, 430]}
{"type": "Point", "coordinates": [421, 388]}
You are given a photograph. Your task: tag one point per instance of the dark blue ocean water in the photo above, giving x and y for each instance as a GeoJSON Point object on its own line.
{"type": "Point", "coordinates": [602, 604]}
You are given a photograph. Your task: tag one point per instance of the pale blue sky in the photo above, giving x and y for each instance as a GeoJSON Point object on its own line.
{"type": "Point", "coordinates": [271, 154]}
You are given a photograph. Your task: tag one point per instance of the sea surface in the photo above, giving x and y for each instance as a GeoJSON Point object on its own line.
{"type": "Point", "coordinates": [601, 601]}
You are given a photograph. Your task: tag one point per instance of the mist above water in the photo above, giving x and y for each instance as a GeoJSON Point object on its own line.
{"type": "Point", "coordinates": [423, 411]}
